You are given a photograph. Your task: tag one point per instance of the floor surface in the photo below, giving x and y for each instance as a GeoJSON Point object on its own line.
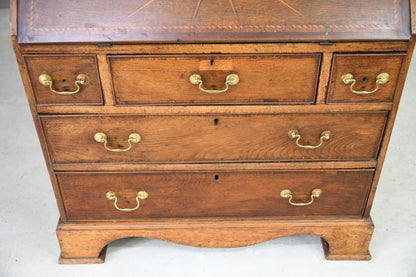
{"type": "Point", "coordinates": [28, 217]}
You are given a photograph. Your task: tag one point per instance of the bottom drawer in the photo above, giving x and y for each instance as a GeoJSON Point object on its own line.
{"type": "Point", "coordinates": [213, 194]}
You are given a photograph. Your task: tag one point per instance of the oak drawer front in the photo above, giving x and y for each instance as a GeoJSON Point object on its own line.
{"type": "Point", "coordinates": [195, 138]}
{"type": "Point", "coordinates": [364, 77]}
{"type": "Point", "coordinates": [65, 73]}
{"type": "Point", "coordinates": [212, 194]}
{"type": "Point", "coordinates": [264, 79]}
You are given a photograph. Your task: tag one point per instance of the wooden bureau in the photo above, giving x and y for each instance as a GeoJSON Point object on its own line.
{"type": "Point", "coordinates": [213, 123]}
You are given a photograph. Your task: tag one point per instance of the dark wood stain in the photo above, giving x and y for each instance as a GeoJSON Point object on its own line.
{"type": "Point", "coordinates": [205, 194]}
{"type": "Point", "coordinates": [212, 21]}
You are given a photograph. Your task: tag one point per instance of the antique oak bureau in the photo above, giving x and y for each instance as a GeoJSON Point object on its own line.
{"type": "Point", "coordinates": [213, 123]}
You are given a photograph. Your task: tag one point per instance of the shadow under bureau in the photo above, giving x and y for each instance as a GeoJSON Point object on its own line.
{"type": "Point", "coordinates": [213, 123]}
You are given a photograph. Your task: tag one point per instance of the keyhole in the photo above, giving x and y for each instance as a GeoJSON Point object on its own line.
{"type": "Point", "coordinates": [63, 81]}
{"type": "Point", "coordinates": [365, 79]}
{"type": "Point", "coordinates": [212, 62]}
{"type": "Point", "coordinates": [216, 178]}
{"type": "Point", "coordinates": [216, 121]}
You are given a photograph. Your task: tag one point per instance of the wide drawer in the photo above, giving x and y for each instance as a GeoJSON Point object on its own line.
{"type": "Point", "coordinates": [268, 79]}
{"type": "Point", "coordinates": [73, 79]}
{"type": "Point", "coordinates": [206, 194]}
{"type": "Point", "coordinates": [201, 138]}
{"type": "Point", "coordinates": [358, 78]}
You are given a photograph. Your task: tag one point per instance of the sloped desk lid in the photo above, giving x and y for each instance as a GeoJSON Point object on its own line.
{"type": "Point", "coordinates": [211, 20]}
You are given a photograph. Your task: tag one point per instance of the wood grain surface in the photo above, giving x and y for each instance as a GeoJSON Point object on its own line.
{"type": "Point", "coordinates": [215, 21]}
{"type": "Point", "coordinates": [64, 70]}
{"type": "Point", "coordinates": [213, 109]}
{"type": "Point", "coordinates": [212, 194]}
{"type": "Point", "coordinates": [342, 239]}
{"type": "Point", "coordinates": [214, 138]}
{"type": "Point", "coordinates": [214, 165]}
{"type": "Point", "coordinates": [217, 48]}
{"type": "Point", "coordinates": [267, 79]}
{"type": "Point", "coordinates": [259, 166]}
{"type": "Point", "coordinates": [364, 68]}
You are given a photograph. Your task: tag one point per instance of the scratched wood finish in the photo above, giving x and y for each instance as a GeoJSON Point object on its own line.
{"type": "Point", "coordinates": [264, 79]}
{"type": "Point", "coordinates": [64, 70]}
{"type": "Point", "coordinates": [214, 138]}
{"type": "Point", "coordinates": [212, 194]}
{"type": "Point", "coordinates": [202, 21]}
{"type": "Point", "coordinates": [364, 68]}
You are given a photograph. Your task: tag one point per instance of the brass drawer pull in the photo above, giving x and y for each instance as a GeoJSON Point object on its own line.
{"type": "Point", "coordinates": [288, 194]}
{"type": "Point", "coordinates": [133, 138]}
{"type": "Point", "coordinates": [232, 80]}
{"type": "Point", "coordinates": [294, 134]}
{"type": "Point", "coordinates": [46, 80]}
{"type": "Point", "coordinates": [111, 195]}
{"type": "Point", "coordinates": [381, 79]}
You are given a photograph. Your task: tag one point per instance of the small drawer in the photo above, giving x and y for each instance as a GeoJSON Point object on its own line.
{"type": "Point", "coordinates": [262, 79]}
{"type": "Point", "coordinates": [128, 195]}
{"type": "Point", "coordinates": [361, 78]}
{"type": "Point", "coordinates": [65, 80]}
{"type": "Point", "coordinates": [227, 138]}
